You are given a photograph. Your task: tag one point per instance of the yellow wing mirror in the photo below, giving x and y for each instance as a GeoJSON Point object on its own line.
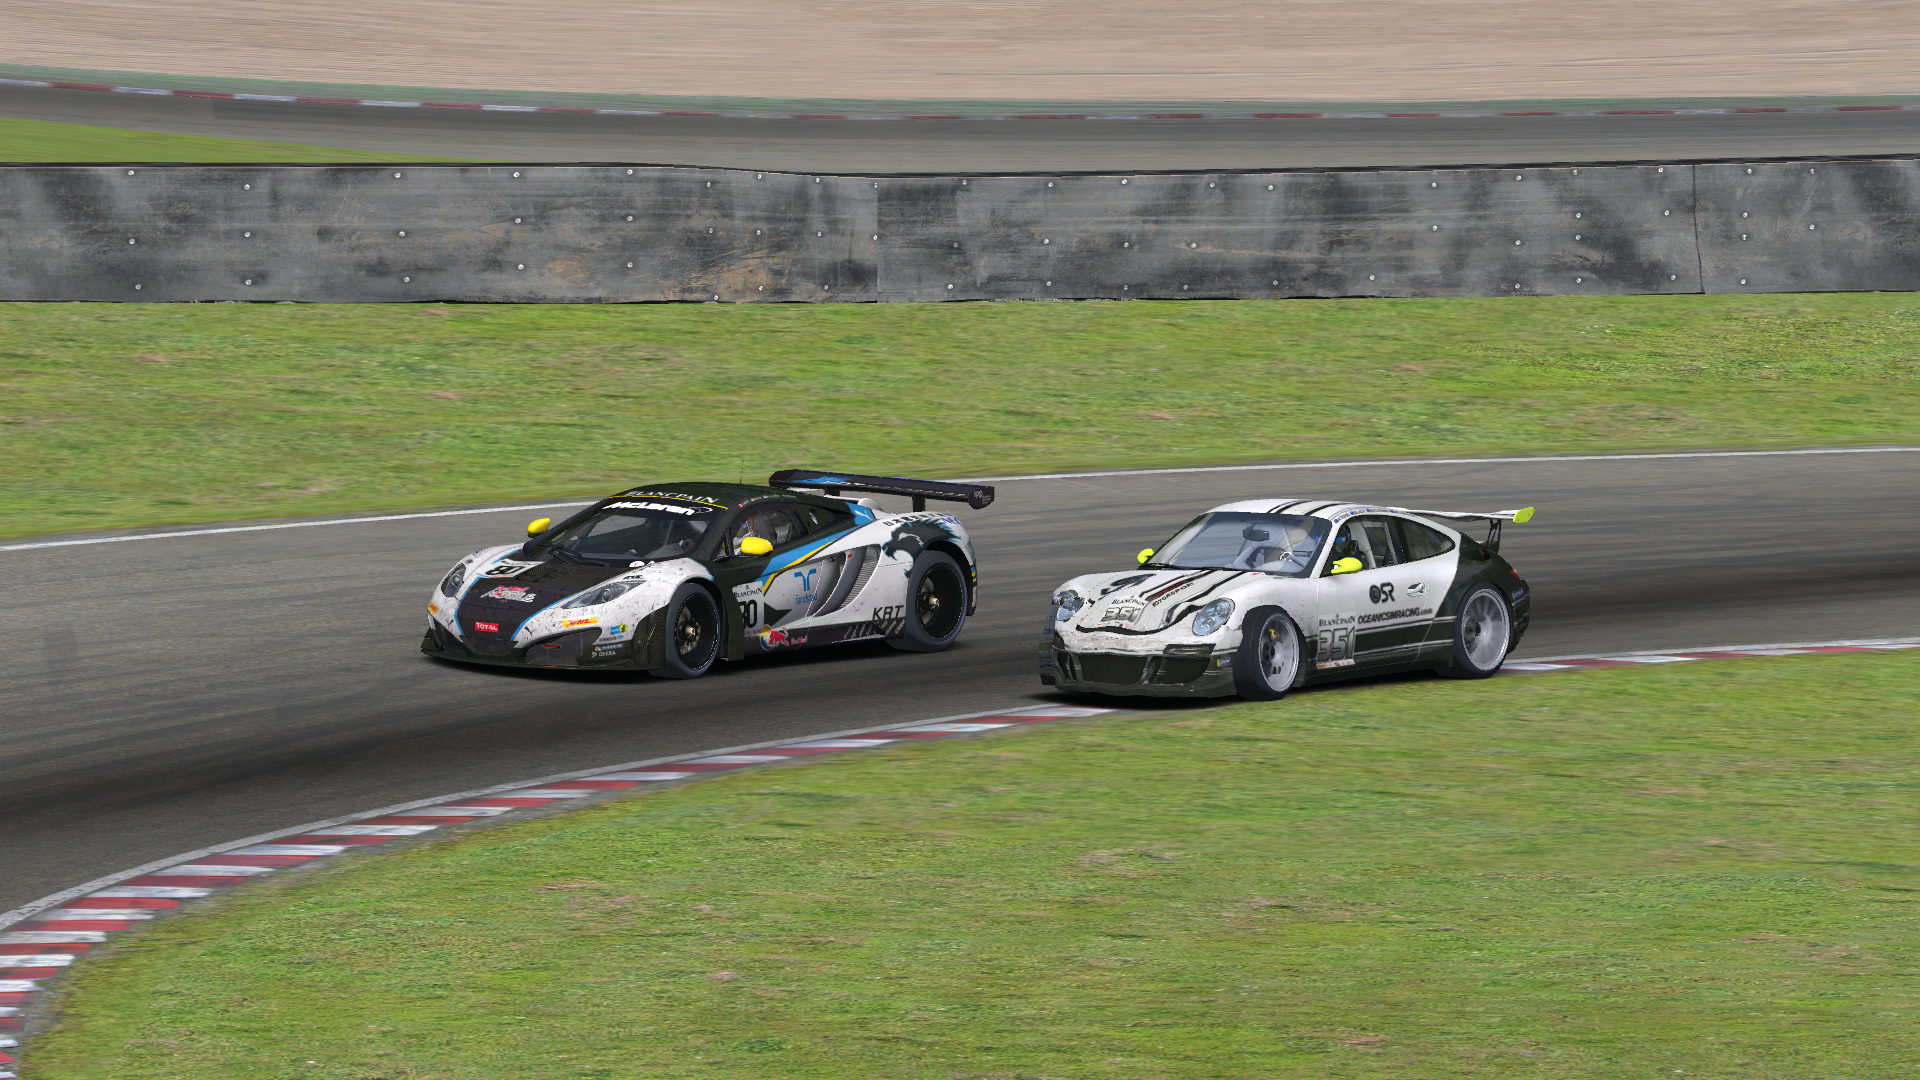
{"type": "Point", "coordinates": [755, 545]}
{"type": "Point", "coordinates": [538, 526]}
{"type": "Point", "coordinates": [1346, 566]}
{"type": "Point", "coordinates": [1145, 554]}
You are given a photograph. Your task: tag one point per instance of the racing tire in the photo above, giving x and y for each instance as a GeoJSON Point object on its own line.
{"type": "Point", "coordinates": [1268, 663]}
{"type": "Point", "coordinates": [693, 634]}
{"type": "Point", "coordinates": [1482, 634]}
{"type": "Point", "coordinates": [936, 603]}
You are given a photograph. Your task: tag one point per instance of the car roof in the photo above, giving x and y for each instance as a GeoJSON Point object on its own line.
{"type": "Point", "coordinates": [723, 494]}
{"type": "Point", "coordinates": [1332, 510]}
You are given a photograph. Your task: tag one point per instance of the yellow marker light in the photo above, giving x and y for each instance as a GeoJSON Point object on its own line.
{"type": "Point", "coordinates": [754, 545]}
{"type": "Point", "coordinates": [538, 526]}
{"type": "Point", "coordinates": [1346, 566]}
{"type": "Point", "coordinates": [1145, 554]}
{"type": "Point", "coordinates": [1521, 517]}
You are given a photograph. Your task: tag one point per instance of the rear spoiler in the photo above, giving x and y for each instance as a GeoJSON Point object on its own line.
{"type": "Point", "coordinates": [1494, 519]}
{"type": "Point", "coordinates": [978, 496]}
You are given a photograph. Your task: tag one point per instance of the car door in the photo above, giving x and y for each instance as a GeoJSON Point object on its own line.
{"type": "Point", "coordinates": [1366, 618]}
{"type": "Point", "coordinates": [1431, 558]}
{"type": "Point", "coordinates": [742, 576]}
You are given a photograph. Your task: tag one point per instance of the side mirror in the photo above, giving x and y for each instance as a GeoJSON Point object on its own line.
{"type": "Point", "coordinates": [538, 526]}
{"type": "Point", "coordinates": [755, 545]}
{"type": "Point", "coordinates": [1345, 566]}
{"type": "Point", "coordinates": [1145, 554]}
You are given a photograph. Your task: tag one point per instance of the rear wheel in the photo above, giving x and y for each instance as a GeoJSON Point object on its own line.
{"type": "Point", "coordinates": [1268, 663]}
{"type": "Point", "coordinates": [693, 634]}
{"type": "Point", "coordinates": [936, 604]}
{"type": "Point", "coordinates": [1482, 634]}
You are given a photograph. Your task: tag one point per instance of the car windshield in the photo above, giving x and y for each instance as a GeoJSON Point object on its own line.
{"type": "Point", "coordinates": [634, 530]}
{"type": "Point", "coordinates": [1271, 543]}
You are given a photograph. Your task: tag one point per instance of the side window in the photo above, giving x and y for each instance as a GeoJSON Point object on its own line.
{"type": "Point", "coordinates": [1422, 541]}
{"type": "Point", "coordinates": [1368, 539]}
{"type": "Point", "coordinates": [821, 519]}
{"type": "Point", "coordinates": [770, 523]}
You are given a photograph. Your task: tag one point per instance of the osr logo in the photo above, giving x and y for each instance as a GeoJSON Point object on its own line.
{"type": "Point", "coordinates": [1381, 594]}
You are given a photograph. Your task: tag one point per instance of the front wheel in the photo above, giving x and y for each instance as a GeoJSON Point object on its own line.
{"type": "Point", "coordinates": [1268, 663]}
{"type": "Point", "coordinates": [693, 634]}
{"type": "Point", "coordinates": [1482, 634]}
{"type": "Point", "coordinates": [936, 604]}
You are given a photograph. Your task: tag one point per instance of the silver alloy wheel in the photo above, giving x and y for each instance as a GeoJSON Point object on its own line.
{"type": "Point", "coordinates": [1485, 630]}
{"type": "Point", "coordinates": [1279, 653]}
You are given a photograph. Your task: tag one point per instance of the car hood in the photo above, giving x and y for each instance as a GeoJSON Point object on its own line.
{"type": "Point", "coordinates": [506, 590]}
{"type": "Point", "coordinates": [1149, 601]}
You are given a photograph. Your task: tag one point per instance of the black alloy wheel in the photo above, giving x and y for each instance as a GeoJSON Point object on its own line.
{"type": "Point", "coordinates": [936, 604]}
{"type": "Point", "coordinates": [693, 634]}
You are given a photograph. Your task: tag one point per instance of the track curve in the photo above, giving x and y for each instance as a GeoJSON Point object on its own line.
{"type": "Point", "coordinates": [989, 146]}
{"type": "Point", "coordinates": [171, 694]}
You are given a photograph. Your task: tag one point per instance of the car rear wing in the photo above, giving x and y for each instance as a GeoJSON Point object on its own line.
{"type": "Point", "coordinates": [1494, 519]}
{"type": "Point", "coordinates": [978, 496]}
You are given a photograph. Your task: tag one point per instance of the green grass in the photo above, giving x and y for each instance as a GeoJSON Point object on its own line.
{"type": "Point", "coordinates": [128, 414]}
{"type": "Point", "coordinates": [44, 140]}
{"type": "Point", "coordinates": [1702, 869]}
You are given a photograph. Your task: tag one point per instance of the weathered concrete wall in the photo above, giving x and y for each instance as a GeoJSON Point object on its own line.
{"type": "Point", "coordinates": [618, 233]}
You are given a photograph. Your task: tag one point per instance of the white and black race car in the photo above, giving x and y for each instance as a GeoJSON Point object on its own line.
{"type": "Point", "coordinates": [1255, 598]}
{"type": "Point", "coordinates": [670, 578]}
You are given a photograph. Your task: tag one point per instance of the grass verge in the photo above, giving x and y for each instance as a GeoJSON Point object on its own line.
{"type": "Point", "coordinates": [1689, 868]}
{"type": "Point", "coordinates": [45, 140]}
{"type": "Point", "coordinates": [127, 414]}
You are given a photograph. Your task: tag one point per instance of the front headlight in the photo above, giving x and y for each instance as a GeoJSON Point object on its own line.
{"type": "Point", "coordinates": [1212, 617]}
{"type": "Point", "coordinates": [456, 577]}
{"type": "Point", "coordinates": [1065, 603]}
{"type": "Point", "coordinates": [605, 594]}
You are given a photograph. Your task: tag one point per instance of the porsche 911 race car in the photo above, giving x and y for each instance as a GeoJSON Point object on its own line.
{"type": "Point", "coordinates": [672, 577]}
{"type": "Point", "coordinates": [1255, 598]}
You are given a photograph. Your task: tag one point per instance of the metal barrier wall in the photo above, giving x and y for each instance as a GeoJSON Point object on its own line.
{"type": "Point", "coordinates": [616, 233]}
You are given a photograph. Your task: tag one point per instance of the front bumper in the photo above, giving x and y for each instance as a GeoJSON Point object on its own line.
{"type": "Point", "coordinates": [1182, 673]}
{"type": "Point", "coordinates": [578, 649]}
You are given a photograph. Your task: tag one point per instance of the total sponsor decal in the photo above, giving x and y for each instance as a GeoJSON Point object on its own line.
{"type": "Point", "coordinates": [508, 568]}
{"type": "Point", "coordinates": [591, 620]}
{"type": "Point", "coordinates": [487, 627]}
{"type": "Point", "coordinates": [511, 592]}
{"type": "Point", "coordinates": [1388, 616]}
{"type": "Point", "coordinates": [689, 511]}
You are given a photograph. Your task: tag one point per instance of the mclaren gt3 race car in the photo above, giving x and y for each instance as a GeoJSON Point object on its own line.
{"type": "Point", "coordinates": [1255, 598]}
{"type": "Point", "coordinates": [670, 578]}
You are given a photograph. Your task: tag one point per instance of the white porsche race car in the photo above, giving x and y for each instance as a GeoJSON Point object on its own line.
{"type": "Point", "coordinates": [1255, 598]}
{"type": "Point", "coordinates": [670, 578]}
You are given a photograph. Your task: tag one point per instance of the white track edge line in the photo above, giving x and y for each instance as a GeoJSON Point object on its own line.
{"type": "Point", "coordinates": [1010, 479]}
{"type": "Point", "coordinates": [1851, 642]}
{"type": "Point", "coordinates": [25, 911]}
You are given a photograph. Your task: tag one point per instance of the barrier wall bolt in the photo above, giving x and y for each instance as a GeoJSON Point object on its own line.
{"type": "Point", "coordinates": [1193, 245]}
{"type": "Point", "coordinates": [1269, 187]}
{"type": "Point", "coordinates": [1049, 183]}
{"type": "Point", "coordinates": [756, 232]}
{"type": "Point", "coordinates": [406, 279]}
{"type": "Point", "coordinates": [709, 230]}
{"type": "Point", "coordinates": [1519, 178]}
{"type": "Point", "coordinates": [130, 173]}
{"type": "Point", "coordinates": [756, 176]}
{"type": "Point", "coordinates": [956, 245]}
{"type": "Point", "coordinates": [1369, 277]}
{"type": "Point", "coordinates": [403, 232]}
{"type": "Point", "coordinates": [1433, 183]}
{"type": "Point", "coordinates": [1577, 281]}
{"type": "Point", "coordinates": [248, 234]}
{"type": "Point", "coordinates": [1123, 182]}
{"type": "Point", "coordinates": [1517, 243]}
{"type": "Point", "coordinates": [1049, 284]}
{"type": "Point", "coordinates": [249, 187]}
{"type": "Point", "coordinates": [1516, 286]}
{"type": "Point", "coordinates": [516, 174]}
{"type": "Point", "coordinates": [1743, 281]}
{"type": "Point", "coordinates": [1183, 288]}
{"type": "Point", "coordinates": [1126, 243]}
{"type": "Point", "coordinates": [249, 281]}
{"type": "Point", "coordinates": [1576, 236]}
{"type": "Point", "coordinates": [1661, 169]}
{"type": "Point", "coordinates": [876, 236]}
{"type": "Point", "coordinates": [1666, 213]}
{"type": "Point", "coordinates": [131, 240]}
{"type": "Point", "coordinates": [1435, 228]}
{"type": "Point", "coordinates": [136, 288]}
{"type": "Point", "coordinates": [1276, 283]}
{"type": "Point", "coordinates": [519, 266]}
{"type": "Point", "coordinates": [1809, 172]}
{"type": "Point", "coordinates": [817, 180]}
{"type": "Point", "coordinates": [516, 221]}
{"type": "Point", "coordinates": [761, 288]}
{"type": "Point", "coordinates": [396, 176]}
{"type": "Point", "coordinates": [1046, 241]}
{"type": "Point", "coordinates": [1813, 226]}
{"type": "Point", "coordinates": [949, 286]}
{"type": "Point", "coordinates": [629, 217]}
{"type": "Point", "coordinates": [629, 172]}
{"type": "Point", "coordinates": [1743, 213]}
{"type": "Point", "coordinates": [963, 183]}
{"type": "Point", "coordinates": [1209, 184]}
{"type": "Point", "coordinates": [716, 296]}
{"type": "Point", "coordinates": [819, 234]}
{"type": "Point", "coordinates": [876, 183]}
{"type": "Point", "coordinates": [710, 184]}
{"type": "Point", "coordinates": [629, 266]}
{"type": "Point", "coordinates": [1576, 213]}
{"type": "Point", "coordinates": [1743, 236]}
{"type": "Point", "coordinates": [1673, 277]}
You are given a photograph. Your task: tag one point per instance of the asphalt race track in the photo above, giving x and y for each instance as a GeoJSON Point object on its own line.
{"type": "Point", "coordinates": [173, 693]}
{"type": "Point", "coordinates": [989, 146]}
